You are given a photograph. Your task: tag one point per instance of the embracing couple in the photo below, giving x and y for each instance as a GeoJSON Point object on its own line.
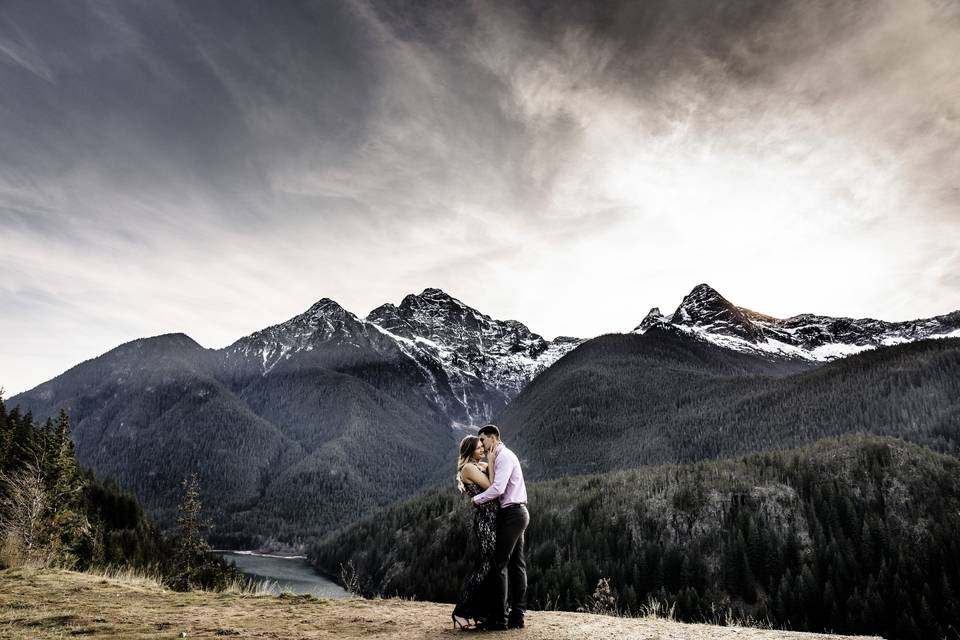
{"type": "Point", "coordinates": [493, 595]}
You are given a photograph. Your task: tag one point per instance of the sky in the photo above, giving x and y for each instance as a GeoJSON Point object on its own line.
{"type": "Point", "coordinates": [213, 168]}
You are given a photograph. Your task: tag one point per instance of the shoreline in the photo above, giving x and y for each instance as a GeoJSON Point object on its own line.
{"type": "Point", "coordinates": [258, 554]}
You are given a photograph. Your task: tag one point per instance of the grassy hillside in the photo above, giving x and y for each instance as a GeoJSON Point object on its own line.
{"type": "Point", "coordinates": [58, 604]}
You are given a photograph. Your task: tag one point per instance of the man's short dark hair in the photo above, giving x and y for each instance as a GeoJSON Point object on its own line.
{"type": "Point", "coordinates": [489, 430]}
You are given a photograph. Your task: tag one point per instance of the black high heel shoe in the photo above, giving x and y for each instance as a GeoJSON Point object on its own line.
{"type": "Point", "coordinates": [462, 623]}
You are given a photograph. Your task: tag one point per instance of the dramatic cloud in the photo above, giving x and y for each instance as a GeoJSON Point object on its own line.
{"type": "Point", "coordinates": [216, 167]}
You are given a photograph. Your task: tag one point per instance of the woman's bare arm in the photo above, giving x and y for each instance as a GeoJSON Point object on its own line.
{"type": "Point", "coordinates": [472, 473]}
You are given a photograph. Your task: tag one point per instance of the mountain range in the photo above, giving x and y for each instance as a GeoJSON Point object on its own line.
{"type": "Point", "coordinates": [303, 425]}
{"type": "Point", "coordinates": [312, 423]}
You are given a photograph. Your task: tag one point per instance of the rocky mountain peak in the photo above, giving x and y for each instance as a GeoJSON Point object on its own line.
{"type": "Point", "coordinates": [435, 315]}
{"type": "Point", "coordinates": [324, 317]}
{"type": "Point", "coordinates": [704, 307]}
{"type": "Point", "coordinates": [323, 321]}
{"type": "Point", "coordinates": [473, 350]}
{"type": "Point", "coordinates": [327, 308]}
{"type": "Point", "coordinates": [433, 292]}
{"type": "Point", "coordinates": [653, 317]}
{"type": "Point", "coordinates": [701, 304]}
{"type": "Point", "coordinates": [431, 298]}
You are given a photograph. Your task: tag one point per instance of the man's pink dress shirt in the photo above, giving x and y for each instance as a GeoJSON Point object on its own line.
{"type": "Point", "coordinates": [507, 480]}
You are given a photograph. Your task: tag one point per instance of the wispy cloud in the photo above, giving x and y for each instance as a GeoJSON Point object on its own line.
{"type": "Point", "coordinates": [215, 167]}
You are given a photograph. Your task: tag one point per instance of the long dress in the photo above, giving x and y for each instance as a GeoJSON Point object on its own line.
{"type": "Point", "coordinates": [477, 594]}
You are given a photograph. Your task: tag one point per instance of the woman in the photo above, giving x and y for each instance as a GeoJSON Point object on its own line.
{"type": "Point", "coordinates": [473, 477]}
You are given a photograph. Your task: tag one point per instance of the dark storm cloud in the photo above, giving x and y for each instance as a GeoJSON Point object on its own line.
{"type": "Point", "coordinates": [229, 99]}
{"type": "Point", "coordinates": [266, 104]}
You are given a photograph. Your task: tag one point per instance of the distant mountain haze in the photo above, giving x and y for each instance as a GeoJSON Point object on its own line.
{"type": "Point", "coordinates": [312, 423]}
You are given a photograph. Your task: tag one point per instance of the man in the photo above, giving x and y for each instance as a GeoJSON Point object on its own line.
{"type": "Point", "coordinates": [512, 520]}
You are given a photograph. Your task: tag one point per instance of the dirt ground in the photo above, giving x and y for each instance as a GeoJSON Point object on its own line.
{"type": "Point", "coordinates": [41, 604]}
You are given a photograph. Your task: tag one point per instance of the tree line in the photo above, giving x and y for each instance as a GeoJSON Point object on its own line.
{"type": "Point", "coordinates": [54, 512]}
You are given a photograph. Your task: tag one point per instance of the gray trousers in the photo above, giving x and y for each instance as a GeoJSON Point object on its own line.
{"type": "Point", "coordinates": [510, 568]}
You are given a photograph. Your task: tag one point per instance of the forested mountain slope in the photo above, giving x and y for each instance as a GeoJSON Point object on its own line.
{"type": "Point", "coordinates": [620, 401]}
{"type": "Point", "coordinates": [853, 535]}
{"type": "Point", "coordinates": [282, 457]}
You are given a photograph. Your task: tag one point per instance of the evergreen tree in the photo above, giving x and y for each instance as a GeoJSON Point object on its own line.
{"type": "Point", "coordinates": [71, 537]}
{"type": "Point", "coordinates": [193, 565]}
{"type": "Point", "coordinates": [54, 511]}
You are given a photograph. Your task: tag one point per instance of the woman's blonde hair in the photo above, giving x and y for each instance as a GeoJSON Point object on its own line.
{"type": "Point", "coordinates": [467, 446]}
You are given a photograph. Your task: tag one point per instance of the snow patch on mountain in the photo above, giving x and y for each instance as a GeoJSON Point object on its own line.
{"type": "Point", "coordinates": [323, 322]}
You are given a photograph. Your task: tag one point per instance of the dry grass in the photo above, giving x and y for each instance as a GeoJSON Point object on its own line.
{"type": "Point", "coordinates": [150, 578]}
{"type": "Point", "coordinates": [244, 586]}
{"type": "Point", "coordinates": [42, 604]}
{"type": "Point", "coordinates": [10, 551]}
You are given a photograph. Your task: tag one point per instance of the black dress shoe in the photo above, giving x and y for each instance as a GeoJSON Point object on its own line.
{"type": "Point", "coordinates": [515, 623]}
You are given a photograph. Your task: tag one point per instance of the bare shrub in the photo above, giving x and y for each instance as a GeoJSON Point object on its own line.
{"type": "Point", "coordinates": [350, 579]}
{"type": "Point", "coordinates": [602, 601]}
{"type": "Point", "coordinates": [24, 500]}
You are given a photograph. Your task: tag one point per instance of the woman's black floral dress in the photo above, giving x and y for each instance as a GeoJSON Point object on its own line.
{"type": "Point", "coordinates": [477, 593]}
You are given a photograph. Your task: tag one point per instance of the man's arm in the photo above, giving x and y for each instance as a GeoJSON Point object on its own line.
{"type": "Point", "coordinates": [502, 469]}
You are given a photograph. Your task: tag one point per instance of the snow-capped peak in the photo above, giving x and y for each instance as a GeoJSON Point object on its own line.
{"type": "Point", "coordinates": [653, 317]}
{"type": "Point", "coordinates": [485, 361]}
{"type": "Point", "coordinates": [705, 308]}
{"type": "Point", "coordinates": [324, 321]}
{"type": "Point", "coordinates": [706, 314]}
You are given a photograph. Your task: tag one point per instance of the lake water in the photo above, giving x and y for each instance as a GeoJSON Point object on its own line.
{"type": "Point", "coordinates": [293, 574]}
